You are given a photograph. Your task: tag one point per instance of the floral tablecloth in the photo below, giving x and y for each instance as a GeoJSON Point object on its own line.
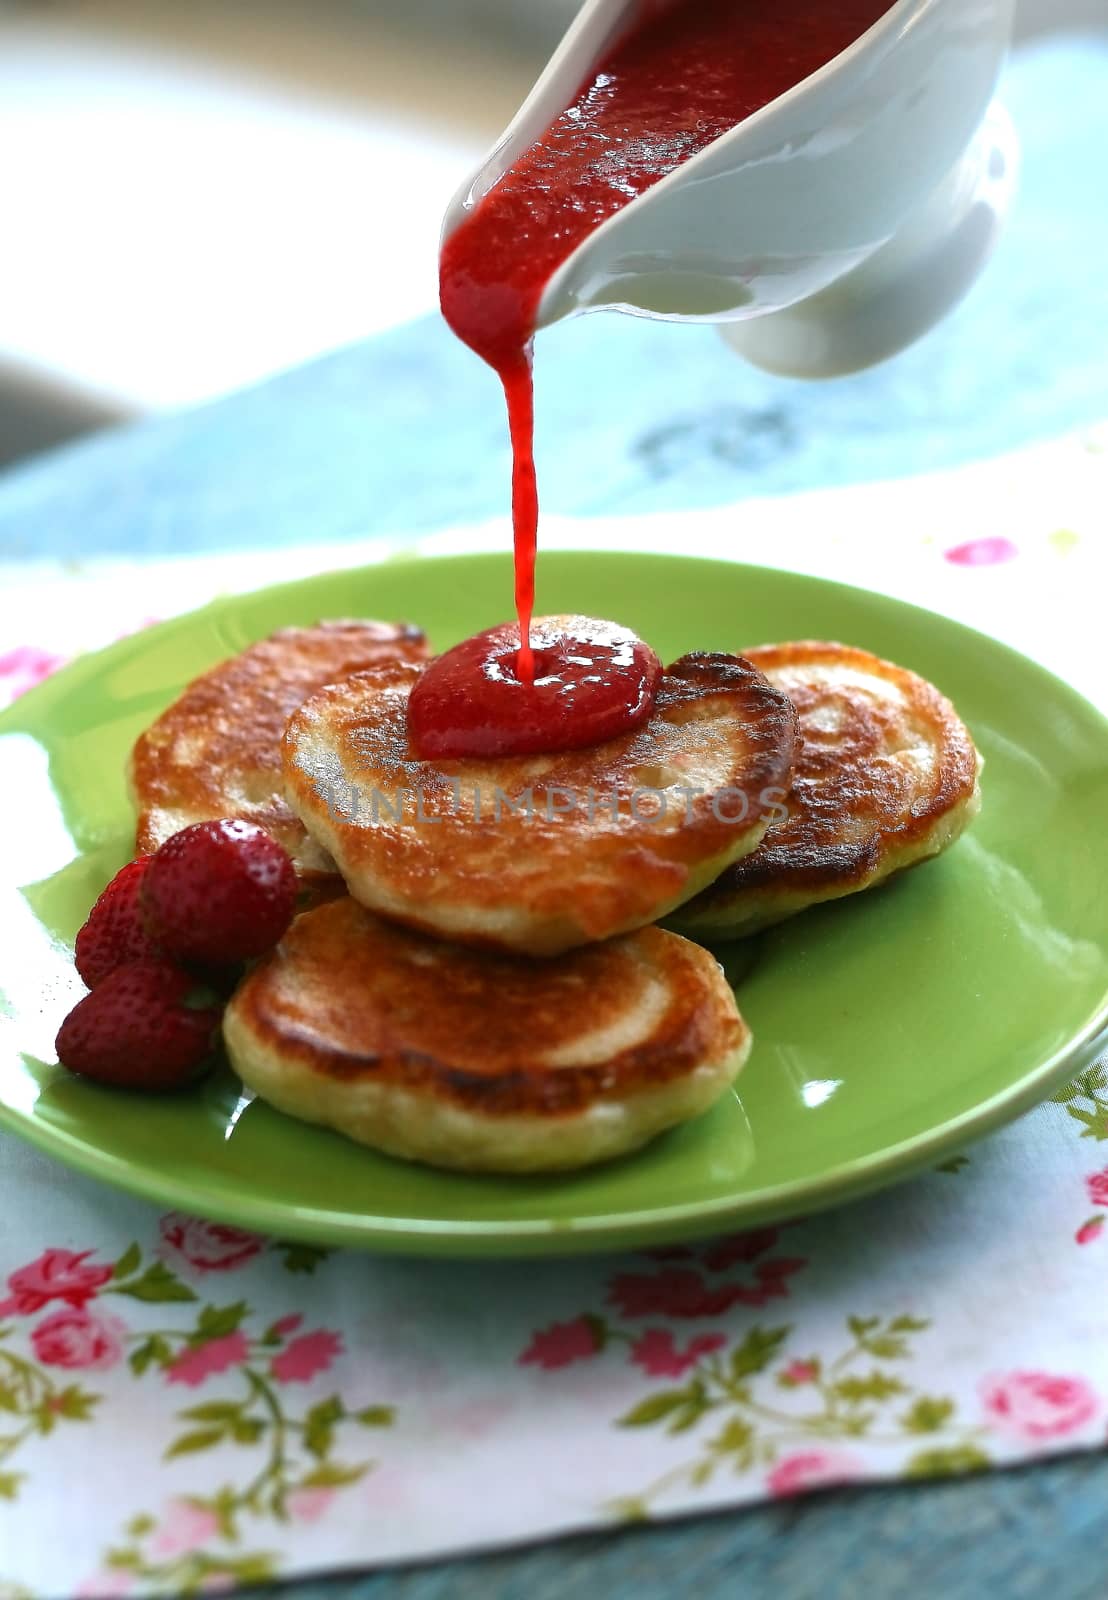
{"type": "Point", "coordinates": [185, 1406]}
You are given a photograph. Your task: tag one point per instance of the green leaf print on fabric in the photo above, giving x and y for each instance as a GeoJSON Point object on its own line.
{"type": "Point", "coordinates": [1086, 1101]}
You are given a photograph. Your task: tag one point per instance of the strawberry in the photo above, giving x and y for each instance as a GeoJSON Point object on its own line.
{"type": "Point", "coordinates": [219, 893]}
{"type": "Point", "coordinates": [136, 1030]}
{"type": "Point", "coordinates": [115, 931]}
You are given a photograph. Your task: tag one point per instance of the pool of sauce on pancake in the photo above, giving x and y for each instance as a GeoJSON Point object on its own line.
{"type": "Point", "coordinates": [589, 682]}
{"type": "Point", "coordinates": [683, 73]}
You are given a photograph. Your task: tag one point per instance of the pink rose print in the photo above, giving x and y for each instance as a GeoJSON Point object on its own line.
{"type": "Point", "coordinates": [56, 1275]}
{"type": "Point", "coordinates": [475, 1419]}
{"type": "Point", "coordinates": [561, 1344]}
{"type": "Point", "coordinates": [309, 1504]}
{"type": "Point", "coordinates": [207, 1246]}
{"type": "Point", "coordinates": [982, 552]}
{"type": "Point", "coordinates": [203, 1361]}
{"type": "Point", "coordinates": [1038, 1405]}
{"type": "Point", "coordinates": [389, 1489]}
{"type": "Point", "coordinates": [682, 1292]}
{"type": "Point", "coordinates": [184, 1528]}
{"type": "Point", "coordinates": [1097, 1186]}
{"type": "Point", "coordinates": [23, 667]}
{"type": "Point", "coordinates": [798, 1372]}
{"type": "Point", "coordinates": [80, 1340]}
{"type": "Point", "coordinates": [286, 1325]}
{"type": "Point", "coordinates": [811, 1469]}
{"type": "Point", "coordinates": [771, 1277]}
{"type": "Point", "coordinates": [738, 1247]}
{"type": "Point", "coordinates": [105, 1586]}
{"type": "Point", "coordinates": [301, 1360]}
{"type": "Point", "coordinates": [676, 1292]}
{"type": "Point", "coordinates": [657, 1354]}
{"type": "Point", "coordinates": [1090, 1231]}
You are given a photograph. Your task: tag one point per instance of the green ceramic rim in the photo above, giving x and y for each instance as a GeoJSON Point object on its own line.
{"type": "Point", "coordinates": [234, 619]}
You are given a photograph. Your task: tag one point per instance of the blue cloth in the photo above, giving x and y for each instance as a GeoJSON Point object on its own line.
{"type": "Point", "coordinates": [407, 431]}
{"type": "Point", "coordinates": [1029, 1535]}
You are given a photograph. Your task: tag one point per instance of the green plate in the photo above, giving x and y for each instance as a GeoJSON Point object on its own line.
{"type": "Point", "coordinates": [889, 1029]}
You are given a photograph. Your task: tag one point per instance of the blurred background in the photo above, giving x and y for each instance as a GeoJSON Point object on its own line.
{"type": "Point", "coordinates": [195, 196]}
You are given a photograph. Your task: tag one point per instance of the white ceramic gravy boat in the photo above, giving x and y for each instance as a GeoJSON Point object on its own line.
{"type": "Point", "coordinates": [829, 229]}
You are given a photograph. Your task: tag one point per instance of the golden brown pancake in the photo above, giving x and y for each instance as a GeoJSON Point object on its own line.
{"type": "Point", "coordinates": [886, 776]}
{"type": "Point", "coordinates": [216, 751]}
{"type": "Point", "coordinates": [541, 853]}
{"type": "Point", "coordinates": [490, 1063]}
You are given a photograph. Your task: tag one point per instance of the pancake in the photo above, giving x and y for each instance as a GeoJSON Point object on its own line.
{"type": "Point", "coordinates": [486, 1063]}
{"type": "Point", "coordinates": [886, 776]}
{"type": "Point", "coordinates": [216, 751]}
{"type": "Point", "coordinates": [541, 853]}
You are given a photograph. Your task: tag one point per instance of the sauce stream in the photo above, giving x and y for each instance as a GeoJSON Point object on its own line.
{"type": "Point", "coordinates": [683, 73]}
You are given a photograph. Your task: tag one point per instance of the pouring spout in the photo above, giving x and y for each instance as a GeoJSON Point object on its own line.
{"type": "Point", "coordinates": [697, 160]}
{"type": "Point", "coordinates": [593, 31]}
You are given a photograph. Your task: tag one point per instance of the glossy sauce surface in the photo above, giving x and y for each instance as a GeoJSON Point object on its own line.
{"type": "Point", "coordinates": [685, 72]}
{"type": "Point", "coordinates": [592, 681]}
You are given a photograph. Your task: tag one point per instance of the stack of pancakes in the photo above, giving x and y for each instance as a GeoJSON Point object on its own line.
{"type": "Point", "coordinates": [477, 982]}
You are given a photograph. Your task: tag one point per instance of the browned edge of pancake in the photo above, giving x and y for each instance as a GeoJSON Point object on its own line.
{"type": "Point", "coordinates": [237, 711]}
{"type": "Point", "coordinates": [700, 1022]}
{"type": "Point", "coordinates": [699, 684]}
{"type": "Point", "coordinates": [803, 860]}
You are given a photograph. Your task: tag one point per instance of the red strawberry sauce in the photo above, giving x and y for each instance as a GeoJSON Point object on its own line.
{"type": "Point", "coordinates": [683, 73]}
{"type": "Point", "coordinates": [591, 682]}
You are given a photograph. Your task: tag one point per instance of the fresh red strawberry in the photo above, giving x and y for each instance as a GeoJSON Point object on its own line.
{"type": "Point", "coordinates": [219, 892]}
{"type": "Point", "coordinates": [115, 932]}
{"type": "Point", "coordinates": [136, 1031]}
